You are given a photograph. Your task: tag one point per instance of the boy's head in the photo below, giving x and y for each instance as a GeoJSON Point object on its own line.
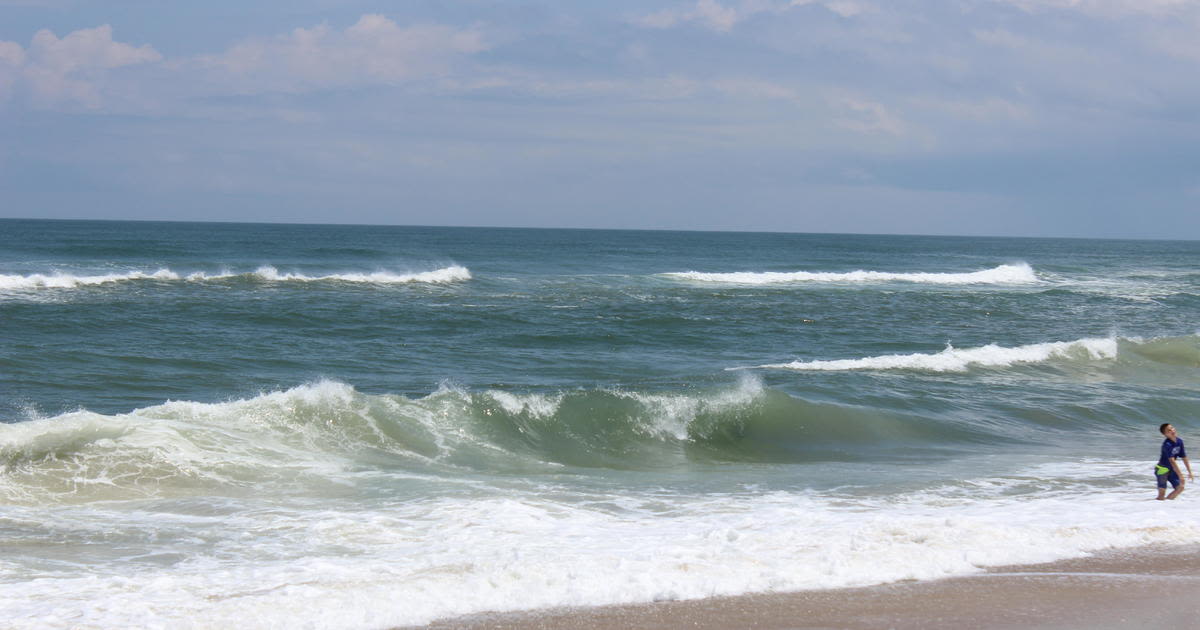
{"type": "Point", "coordinates": [1166, 429]}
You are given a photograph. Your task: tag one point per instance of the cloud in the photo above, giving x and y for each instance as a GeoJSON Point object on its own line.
{"type": "Point", "coordinates": [986, 110]}
{"type": "Point", "coordinates": [844, 8]}
{"type": "Point", "coordinates": [78, 69]}
{"type": "Point", "coordinates": [721, 18]}
{"type": "Point", "coordinates": [707, 12]}
{"type": "Point", "coordinates": [373, 50]}
{"type": "Point", "coordinates": [1181, 43]}
{"type": "Point", "coordinates": [12, 59]}
{"type": "Point", "coordinates": [1106, 8]}
{"type": "Point", "coordinates": [868, 117]}
{"type": "Point", "coordinates": [70, 70]}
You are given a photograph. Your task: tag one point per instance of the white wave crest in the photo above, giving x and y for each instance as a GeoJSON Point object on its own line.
{"type": "Point", "coordinates": [1020, 273]}
{"type": "Point", "coordinates": [445, 275]}
{"type": "Point", "coordinates": [536, 405]}
{"type": "Point", "coordinates": [672, 414]}
{"type": "Point", "coordinates": [283, 437]}
{"type": "Point", "coordinates": [959, 360]}
{"type": "Point", "coordinates": [663, 414]}
{"type": "Point", "coordinates": [60, 280]}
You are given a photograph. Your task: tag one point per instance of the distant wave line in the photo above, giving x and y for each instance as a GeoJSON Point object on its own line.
{"type": "Point", "coordinates": [953, 359]}
{"type": "Point", "coordinates": [1020, 273]}
{"type": "Point", "coordinates": [60, 280]}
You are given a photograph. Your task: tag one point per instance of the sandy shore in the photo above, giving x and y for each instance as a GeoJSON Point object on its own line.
{"type": "Point", "coordinates": [1129, 589]}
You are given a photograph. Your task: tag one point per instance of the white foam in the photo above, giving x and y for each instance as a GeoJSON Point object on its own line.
{"type": "Point", "coordinates": [202, 276]}
{"type": "Point", "coordinates": [672, 414]}
{"type": "Point", "coordinates": [958, 360]}
{"type": "Point", "coordinates": [387, 564]}
{"type": "Point", "coordinates": [1020, 273]}
{"type": "Point", "coordinates": [661, 414]}
{"type": "Point", "coordinates": [62, 280]}
{"type": "Point", "coordinates": [445, 275]}
{"type": "Point", "coordinates": [279, 546]}
{"type": "Point", "coordinates": [307, 435]}
{"type": "Point", "coordinates": [302, 436]}
{"type": "Point", "coordinates": [536, 405]}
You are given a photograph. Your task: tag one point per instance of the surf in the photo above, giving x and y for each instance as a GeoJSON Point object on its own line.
{"type": "Point", "coordinates": [445, 275]}
{"type": "Point", "coordinates": [264, 274]}
{"type": "Point", "coordinates": [1182, 351]}
{"type": "Point", "coordinates": [63, 280]}
{"type": "Point", "coordinates": [312, 437]}
{"type": "Point", "coordinates": [1020, 273]}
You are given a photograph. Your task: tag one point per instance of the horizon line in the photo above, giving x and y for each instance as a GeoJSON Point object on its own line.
{"type": "Point", "coordinates": [593, 229]}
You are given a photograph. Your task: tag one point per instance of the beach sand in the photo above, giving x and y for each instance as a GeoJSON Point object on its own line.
{"type": "Point", "coordinates": [1125, 589]}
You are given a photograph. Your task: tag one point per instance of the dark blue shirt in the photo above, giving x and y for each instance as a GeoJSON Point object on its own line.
{"type": "Point", "coordinates": [1171, 450]}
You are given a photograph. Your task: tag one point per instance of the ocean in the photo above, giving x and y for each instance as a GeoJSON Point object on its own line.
{"type": "Point", "coordinates": [283, 426]}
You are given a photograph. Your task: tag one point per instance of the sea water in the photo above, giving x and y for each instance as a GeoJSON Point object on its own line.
{"type": "Point", "coordinates": [282, 426]}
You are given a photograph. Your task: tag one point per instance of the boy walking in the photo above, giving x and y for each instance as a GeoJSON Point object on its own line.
{"type": "Point", "coordinates": [1168, 463]}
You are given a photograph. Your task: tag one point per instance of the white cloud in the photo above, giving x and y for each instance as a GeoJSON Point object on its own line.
{"type": "Point", "coordinates": [722, 18]}
{"type": "Point", "coordinates": [373, 50]}
{"type": "Point", "coordinates": [718, 17]}
{"type": "Point", "coordinates": [12, 58]}
{"type": "Point", "coordinates": [707, 12]}
{"type": "Point", "coordinates": [11, 54]}
{"type": "Point", "coordinates": [69, 70]}
{"type": "Point", "coordinates": [868, 117]}
{"type": "Point", "coordinates": [1167, 27]}
{"type": "Point", "coordinates": [1107, 8]}
{"type": "Point", "coordinates": [844, 8]}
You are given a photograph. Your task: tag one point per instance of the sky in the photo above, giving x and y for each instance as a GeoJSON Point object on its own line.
{"type": "Point", "coordinates": [973, 117]}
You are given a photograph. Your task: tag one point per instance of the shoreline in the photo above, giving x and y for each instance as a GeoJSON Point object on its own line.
{"type": "Point", "coordinates": [1116, 589]}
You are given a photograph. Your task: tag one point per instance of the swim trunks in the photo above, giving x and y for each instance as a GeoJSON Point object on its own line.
{"type": "Point", "coordinates": [1163, 477]}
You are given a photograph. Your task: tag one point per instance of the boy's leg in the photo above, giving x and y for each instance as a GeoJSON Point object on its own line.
{"type": "Point", "coordinates": [1176, 485]}
{"type": "Point", "coordinates": [1161, 481]}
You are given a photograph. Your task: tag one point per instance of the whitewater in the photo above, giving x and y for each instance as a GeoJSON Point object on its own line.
{"type": "Point", "coordinates": [1020, 273]}
{"type": "Point", "coordinates": [219, 425]}
{"type": "Point", "coordinates": [266, 273]}
{"type": "Point", "coordinates": [953, 359]}
{"type": "Point", "coordinates": [179, 554]}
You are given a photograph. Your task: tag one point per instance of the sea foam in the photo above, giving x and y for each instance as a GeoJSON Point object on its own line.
{"type": "Point", "coordinates": [392, 563]}
{"type": "Point", "coordinates": [266, 273]}
{"type": "Point", "coordinates": [1020, 273]}
{"type": "Point", "coordinates": [959, 360]}
{"type": "Point", "coordinates": [62, 280]}
{"type": "Point", "coordinates": [291, 504]}
{"type": "Point", "coordinates": [444, 275]}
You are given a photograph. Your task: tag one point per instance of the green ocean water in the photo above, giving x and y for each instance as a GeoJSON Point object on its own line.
{"type": "Point", "coordinates": [202, 423]}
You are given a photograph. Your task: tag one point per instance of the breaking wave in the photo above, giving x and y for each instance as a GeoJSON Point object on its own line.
{"type": "Point", "coordinates": [315, 435]}
{"type": "Point", "coordinates": [60, 280]}
{"type": "Point", "coordinates": [444, 275]}
{"type": "Point", "coordinates": [1173, 351]}
{"type": "Point", "coordinates": [1004, 274]}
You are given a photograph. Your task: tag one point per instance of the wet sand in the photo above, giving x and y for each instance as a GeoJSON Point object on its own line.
{"type": "Point", "coordinates": [1127, 589]}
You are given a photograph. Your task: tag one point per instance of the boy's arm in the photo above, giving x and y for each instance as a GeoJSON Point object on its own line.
{"type": "Point", "coordinates": [1189, 467]}
{"type": "Point", "coordinates": [1179, 473]}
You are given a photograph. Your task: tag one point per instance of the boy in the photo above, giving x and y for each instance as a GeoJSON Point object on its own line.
{"type": "Point", "coordinates": [1168, 463]}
